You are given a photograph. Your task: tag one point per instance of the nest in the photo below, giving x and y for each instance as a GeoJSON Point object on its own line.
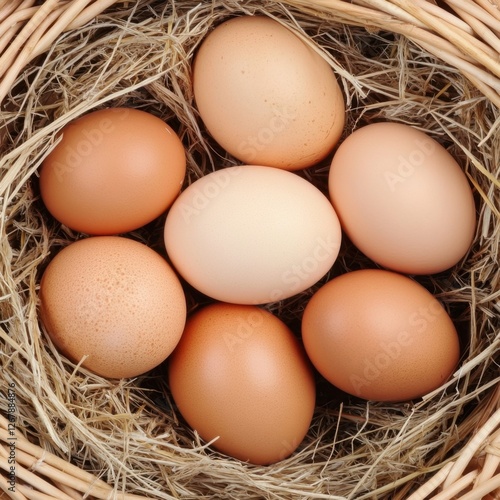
{"type": "Point", "coordinates": [125, 438]}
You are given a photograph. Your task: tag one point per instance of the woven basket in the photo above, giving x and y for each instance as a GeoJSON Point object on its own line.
{"type": "Point", "coordinates": [444, 447]}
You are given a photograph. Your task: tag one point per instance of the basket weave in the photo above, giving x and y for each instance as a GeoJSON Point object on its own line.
{"type": "Point", "coordinates": [464, 38]}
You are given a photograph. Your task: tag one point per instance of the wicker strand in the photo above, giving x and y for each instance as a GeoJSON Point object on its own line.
{"type": "Point", "coordinates": [451, 477]}
{"type": "Point", "coordinates": [12, 22]}
{"type": "Point", "coordinates": [484, 489]}
{"type": "Point", "coordinates": [32, 479]}
{"type": "Point", "coordinates": [32, 494]}
{"type": "Point", "coordinates": [476, 12]}
{"type": "Point", "coordinates": [14, 495]}
{"type": "Point", "coordinates": [431, 27]}
{"type": "Point", "coordinates": [458, 486]}
{"type": "Point", "coordinates": [491, 7]}
{"type": "Point", "coordinates": [433, 484]}
{"type": "Point", "coordinates": [75, 495]}
{"type": "Point", "coordinates": [53, 17]}
{"type": "Point", "coordinates": [471, 449]}
{"type": "Point", "coordinates": [487, 34]}
{"type": "Point", "coordinates": [8, 57]}
{"type": "Point", "coordinates": [8, 7]}
{"type": "Point", "coordinates": [446, 16]}
{"type": "Point", "coordinates": [31, 457]}
{"type": "Point", "coordinates": [439, 37]}
{"type": "Point", "coordinates": [492, 460]}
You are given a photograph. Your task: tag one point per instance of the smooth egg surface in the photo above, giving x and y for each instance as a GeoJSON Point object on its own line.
{"type": "Point", "coordinates": [380, 336]}
{"type": "Point", "coordinates": [266, 96]}
{"type": "Point", "coordinates": [402, 199]}
{"type": "Point", "coordinates": [115, 302]}
{"type": "Point", "coordinates": [113, 171]}
{"type": "Point", "coordinates": [239, 374]}
{"type": "Point", "coordinates": [252, 234]}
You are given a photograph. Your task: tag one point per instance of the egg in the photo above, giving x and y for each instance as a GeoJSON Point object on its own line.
{"type": "Point", "coordinates": [402, 199]}
{"type": "Point", "coordinates": [266, 96]}
{"type": "Point", "coordinates": [240, 376]}
{"type": "Point", "coordinates": [252, 234]}
{"type": "Point", "coordinates": [380, 335]}
{"type": "Point", "coordinates": [114, 303]}
{"type": "Point", "coordinates": [113, 171]}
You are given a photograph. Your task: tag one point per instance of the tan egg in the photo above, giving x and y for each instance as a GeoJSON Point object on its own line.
{"type": "Point", "coordinates": [380, 335]}
{"type": "Point", "coordinates": [113, 171]}
{"type": "Point", "coordinates": [252, 234]}
{"type": "Point", "coordinates": [266, 96]}
{"type": "Point", "coordinates": [402, 199]}
{"type": "Point", "coordinates": [114, 301]}
{"type": "Point", "coordinates": [239, 374]}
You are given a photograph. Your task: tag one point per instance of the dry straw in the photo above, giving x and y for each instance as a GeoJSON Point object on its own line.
{"type": "Point", "coordinates": [432, 65]}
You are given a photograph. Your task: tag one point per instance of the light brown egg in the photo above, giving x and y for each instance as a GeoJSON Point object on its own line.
{"type": "Point", "coordinates": [380, 335]}
{"type": "Point", "coordinates": [115, 302]}
{"type": "Point", "coordinates": [239, 374]}
{"type": "Point", "coordinates": [113, 171]}
{"type": "Point", "coordinates": [402, 198]}
{"type": "Point", "coordinates": [266, 96]}
{"type": "Point", "coordinates": [251, 234]}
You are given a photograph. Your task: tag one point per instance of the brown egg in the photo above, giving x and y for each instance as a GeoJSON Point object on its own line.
{"type": "Point", "coordinates": [239, 374]}
{"type": "Point", "coordinates": [115, 302]}
{"type": "Point", "coordinates": [266, 96]}
{"type": "Point", "coordinates": [402, 198]}
{"type": "Point", "coordinates": [380, 335]}
{"type": "Point", "coordinates": [113, 171]}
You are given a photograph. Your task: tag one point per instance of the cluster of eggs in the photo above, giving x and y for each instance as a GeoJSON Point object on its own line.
{"type": "Point", "coordinates": [253, 234]}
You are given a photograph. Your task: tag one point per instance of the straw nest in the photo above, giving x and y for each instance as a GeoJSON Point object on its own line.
{"type": "Point", "coordinates": [128, 433]}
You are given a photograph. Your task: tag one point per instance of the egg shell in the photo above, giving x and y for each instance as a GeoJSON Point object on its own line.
{"type": "Point", "coordinates": [239, 374]}
{"type": "Point", "coordinates": [114, 300]}
{"type": "Point", "coordinates": [380, 336]}
{"type": "Point", "coordinates": [402, 199]}
{"type": "Point", "coordinates": [252, 234]}
{"type": "Point", "coordinates": [113, 171]}
{"type": "Point", "coordinates": [266, 96]}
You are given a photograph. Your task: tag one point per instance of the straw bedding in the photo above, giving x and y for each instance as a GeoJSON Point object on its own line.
{"type": "Point", "coordinates": [128, 433]}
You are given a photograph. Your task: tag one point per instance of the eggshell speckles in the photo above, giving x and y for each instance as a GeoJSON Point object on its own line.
{"type": "Point", "coordinates": [380, 335]}
{"type": "Point", "coordinates": [252, 234]}
{"type": "Point", "coordinates": [266, 96]}
{"type": "Point", "coordinates": [113, 171]}
{"type": "Point", "coordinates": [239, 374]}
{"type": "Point", "coordinates": [114, 300]}
{"type": "Point", "coordinates": [402, 199]}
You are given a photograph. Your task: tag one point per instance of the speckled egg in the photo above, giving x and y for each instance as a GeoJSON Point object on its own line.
{"type": "Point", "coordinates": [267, 96]}
{"type": "Point", "coordinates": [114, 304]}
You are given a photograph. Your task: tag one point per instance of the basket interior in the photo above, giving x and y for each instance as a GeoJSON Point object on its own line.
{"type": "Point", "coordinates": [129, 432]}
